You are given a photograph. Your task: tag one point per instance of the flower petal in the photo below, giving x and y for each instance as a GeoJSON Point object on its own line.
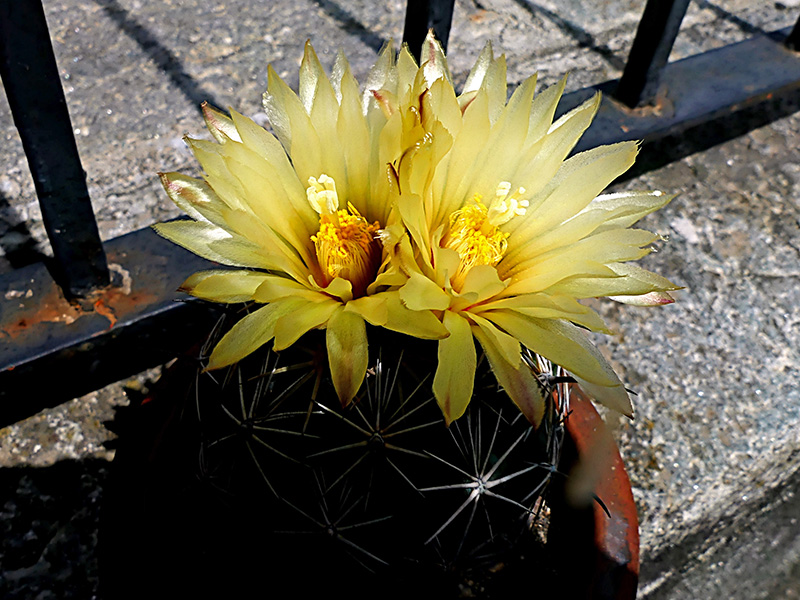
{"type": "Point", "coordinates": [455, 374]}
{"type": "Point", "coordinates": [192, 196]}
{"type": "Point", "coordinates": [219, 124]}
{"type": "Point", "coordinates": [290, 327]}
{"type": "Point", "coordinates": [613, 397]}
{"type": "Point", "coordinates": [420, 293]}
{"type": "Point", "coordinates": [580, 179]}
{"type": "Point", "coordinates": [251, 332]}
{"type": "Point", "coordinates": [213, 243]}
{"type": "Point", "coordinates": [651, 299]}
{"type": "Point", "coordinates": [371, 308]}
{"type": "Point", "coordinates": [418, 323]}
{"type": "Point", "coordinates": [628, 279]}
{"type": "Point", "coordinates": [518, 382]}
{"type": "Point", "coordinates": [560, 342]}
{"type": "Point", "coordinates": [508, 346]}
{"type": "Point", "coordinates": [346, 341]}
{"type": "Point", "coordinates": [223, 285]}
{"type": "Point", "coordinates": [274, 288]}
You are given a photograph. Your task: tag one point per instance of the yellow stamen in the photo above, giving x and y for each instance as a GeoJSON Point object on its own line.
{"type": "Point", "coordinates": [346, 243]}
{"type": "Point", "coordinates": [474, 232]}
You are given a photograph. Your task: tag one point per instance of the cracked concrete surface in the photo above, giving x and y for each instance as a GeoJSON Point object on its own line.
{"type": "Point", "coordinates": [715, 445]}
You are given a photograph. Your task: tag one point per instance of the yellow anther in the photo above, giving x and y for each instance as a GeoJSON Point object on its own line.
{"type": "Point", "coordinates": [346, 243]}
{"type": "Point", "coordinates": [474, 232]}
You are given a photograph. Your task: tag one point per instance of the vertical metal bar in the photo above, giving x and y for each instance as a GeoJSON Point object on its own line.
{"type": "Point", "coordinates": [655, 36]}
{"type": "Point", "coordinates": [30, 77]}
{"type": "Point", "coordinates": [793, 41]}
{"type": "Point", "coordinates": [422, 15]}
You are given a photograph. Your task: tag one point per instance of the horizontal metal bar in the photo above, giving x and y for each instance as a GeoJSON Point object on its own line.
{"type": "Point", "coordinates": [52, 350]}
{"type": "Point", "coordinates": [654, 39]}
{"type": "Point", "coordinates": [696, 90]}
{"type": "Point", "coordinates": [32, 83]}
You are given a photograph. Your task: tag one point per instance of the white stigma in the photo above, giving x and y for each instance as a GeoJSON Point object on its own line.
{"type": "Point", "coordinates": [505, 206]}
{"type": "Point", "coordinates": [322, 194]}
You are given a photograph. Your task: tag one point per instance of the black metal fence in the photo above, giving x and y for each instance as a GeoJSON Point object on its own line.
{"type": "Point", "coordinates": [71, 326]}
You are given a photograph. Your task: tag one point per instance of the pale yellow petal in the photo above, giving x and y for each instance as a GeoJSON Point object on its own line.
{"type": "Point", "coordinates": [506, 344]}
{"type": "Point", "coordinates": [649, 299]}
{"type": "Point", "coordinates": [417, 323]}
{"type": "Point", "coordinates": [455, 373]}
{"type": "Point", "coordinates": [346, 341]}
{"type": "Point", "coordinates": [213, 243]}
{"type": "Point", "coordinates": [558, 341]}
{"type": "Point", "coordinates": [274, 288]}
{"type": "Point", "coordinates": [607, 247]}
{"type": "Point", "coordinates": [193, 196]}
{"type": "Point", "coordinates": [433, 61]}
{"type": "Point", "coordinates": [291, 327]}
{"type": "Point", "coordinates": [381, 75]}
{"type": "Point", "coordinates": [219, 124]}
{"type": "Point", "coordinates": [578, 182]}
{"type": "Point", "coordinates": [420, 293]}
{"type": "Point", "coordinates": [484, 281]}
{"type": "Point", "coordinates": [623, 209]}
{"type": "Point", "coordinates": [372, 309]}
{"type": "Point", "coordinates": [541, 160]}
{"type": "Point", "coordinates": [223, 285]}
{"type": "Point", "coordinates": [500, 152]}
{"type": "Point", "coordinates": [627, 279]}
{"type": "Point", "coordinates": [452, 181]}
{"type": "Point", "coordinates": [478, 72]}
{"type": "Point", "coordinates": [543, 108]}
{"type": "Point", "coordinates": [265, 145]}
{"type": "Point", "coordinates": [547, 306]}
{"type": "Point", "coordinates": [251, 332]}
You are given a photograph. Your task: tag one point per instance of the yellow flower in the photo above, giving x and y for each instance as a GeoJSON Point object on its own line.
{"type": "Point", "coordinates": [305, 216]}
{"type": "Point", "coordinates": [506, 234]}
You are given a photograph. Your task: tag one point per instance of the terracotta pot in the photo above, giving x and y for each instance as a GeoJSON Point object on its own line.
{"type": "Point", "coordinates": [606, 559]}
{"type": "Point", "coordinates": [149, 521]}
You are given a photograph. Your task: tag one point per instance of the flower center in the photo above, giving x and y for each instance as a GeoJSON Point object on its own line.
{"type": "Point", "coordinates": [346, 242]}
{"type": "Point", "coordinates": [474, 232]}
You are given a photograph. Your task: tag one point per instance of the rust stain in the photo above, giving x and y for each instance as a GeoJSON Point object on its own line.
{"type": "Point", "coordinates": [101, 309]}
{"type": "Point", "coordinates": [51, 308]}
{"type": "Point", "coordinates": [113, 303]}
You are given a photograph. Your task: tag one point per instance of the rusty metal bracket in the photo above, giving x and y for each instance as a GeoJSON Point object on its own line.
{"type": "Point", "coordinates": [696, 90]}
{"type": "Point", "coordinates": [53, 349]}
